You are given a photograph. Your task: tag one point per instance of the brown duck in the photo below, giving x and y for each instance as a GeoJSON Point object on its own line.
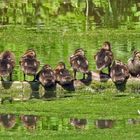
{"type": "Point", "coordinates": [63, 76]}
{"type": "Point", "coordinates": [29, 64]}
{"type": "Point", "coordinates": [79, 62]}
{"type": "Point", "coordinates": [134, 64]}
{"type": "Point", "coordinates": [46, 76]}
{"type": "Point", "coordinates": [7, 64]}
{"type": "Point", "coordinates": [119, 72]}
{"type": "Point", "coordinates": [104, 57]}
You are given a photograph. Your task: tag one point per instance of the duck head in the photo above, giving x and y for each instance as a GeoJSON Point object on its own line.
{"type": "Point", "coordinates": [46, 67]}
{"type": "Point", "coordinates": [79, 51]}
{"type": "Point", "coordinates": [30, 53]}
{"type": "Point", "coordinates": [136, 55]}
{"type": "Point", "coordinates": [106, 45]}
{"type": "Point", "coordinates": [60, 66]}
{"type": "Point", "coordinates": [7, 55]}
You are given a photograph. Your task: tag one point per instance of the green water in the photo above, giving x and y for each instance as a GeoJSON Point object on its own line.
{"type": "Point", "coordinates": [53, 46]}
{"type": "Point", "coordinates": [54, 31]}
{"type": "Point", "coordinates": [102, 116]}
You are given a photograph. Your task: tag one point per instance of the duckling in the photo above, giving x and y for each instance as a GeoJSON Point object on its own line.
{"type": "Point", "coordinates": [79, 62]}
{"type": "Point", "coordinates": [104, 57]}
{"type": "Point", "coordinates": [7, 64]}
{"type": "Point", "coordinates": [62, 74]}
{"type": "Point", "coordinates": [8, 120]}
{"type": "Point", "coordinates": [46, 76]}
{"type": "Point", "coordinates": [119, 72]}
{"type": "Point", "coordinates": [29, 121]}
{"type": "Point", "coordinates": [29, 64]}
{"type": "Point", "coordinates": [134, 64]}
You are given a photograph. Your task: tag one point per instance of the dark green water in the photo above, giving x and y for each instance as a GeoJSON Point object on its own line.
{"type": "Point", "coordinates": [55, 45]}
{"type": "Point", "coordinates": [31, 122]}
{"type": "Point", "coordinates": [54, 32]}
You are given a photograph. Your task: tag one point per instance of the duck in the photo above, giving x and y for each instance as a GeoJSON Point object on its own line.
{"type": "Point", "coordinates": [29, 121]}
{"type": "Point", "coordinates": [104, 57]}
{"type": "Point", "coordinates": [134, 64]}
{"type": "Point", "coordinates": [119, 72]}
{"type": "Point", "coordinates": [29, 63]}
{"type": "Point", "coordinates": [79, 62]}
{"type": "Point", "coordinates": [63, 76]}
{"type": "Point", "coordinates": [46, 76]}
{"type": "Point", "coordinates": [7, 64]}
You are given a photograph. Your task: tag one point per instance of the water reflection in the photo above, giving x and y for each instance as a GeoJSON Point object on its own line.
{"type": "Point", "coordinates": [34, 90]}
{"type": "Point", "coordinates": [104, 123]}
{"type": "Point", "coordinates": [133, 121]}
{"type": "Point", "coordinates": [57, 123]}
{"type": "Point", "coordinates": [8, 120]}
{"type": "Point", "coordinates": [29, 121]}
{"type": "Point", "coordinates": [78, 123]}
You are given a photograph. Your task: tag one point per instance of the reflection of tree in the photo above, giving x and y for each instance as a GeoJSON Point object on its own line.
{"type": "Point", "coordinates": [121, 10]}
{"type": "Point", "coordinates": [93, 10]}
{"type": "Point", "coordinates": [65, 7]}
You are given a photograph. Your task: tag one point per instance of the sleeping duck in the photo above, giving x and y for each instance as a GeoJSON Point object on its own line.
{"type": "Point", "coordinates": [7, 64]}
{"type": "Point", "coordinates": [29, 64]}
{"type": "Point", "coordinates": [46, 76]}
{"type": "Point", "coordinates": [29, 121]}
{"type": "Point", "coordinates": [104, 57]}
{"type": "Point", "coordinates": [62, 74]}
{"type": "Point", "coordinates": [134, 64]}
{"type": "Point", "coordinates": [119, 72]}
{"type": "Point", "coordinates": [79, 62]}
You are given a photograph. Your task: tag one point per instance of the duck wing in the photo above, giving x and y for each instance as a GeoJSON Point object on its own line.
{"type": "Point", "coordinates": [79, 63]}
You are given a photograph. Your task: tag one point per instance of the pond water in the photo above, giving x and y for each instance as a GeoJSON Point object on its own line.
{"type": "Point", "coordinates": [31, 122]}
{"type": "Point", "coordinates": [54, 46]}
{"type": "Point", "coordinates": [55, 29]}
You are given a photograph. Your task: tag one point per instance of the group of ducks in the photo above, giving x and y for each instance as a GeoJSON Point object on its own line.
{"type": "Point", "coordinates": [117, 70]}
